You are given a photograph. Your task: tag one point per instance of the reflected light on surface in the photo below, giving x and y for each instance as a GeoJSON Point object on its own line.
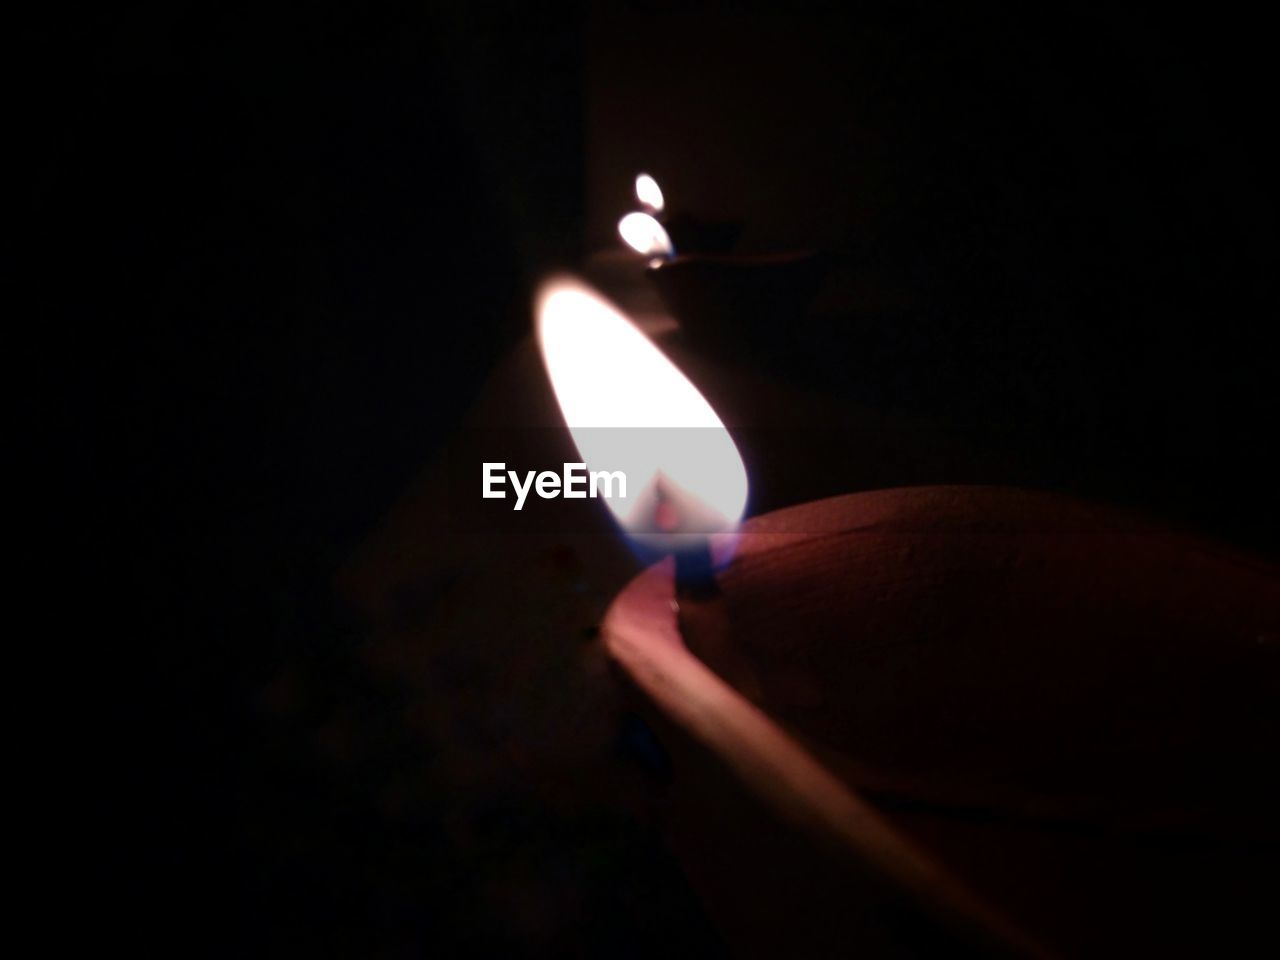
{"type": "Point", "coordinates": [649, 193]}
{"type": "Point", "coordinates": [630, 408]}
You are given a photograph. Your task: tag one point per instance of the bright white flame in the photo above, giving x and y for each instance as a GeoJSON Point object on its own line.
{"type": "Point", "coordinates": [611, 381]}
{"type": "Point", "coordinates": [645, 235]}
{"type": "Point", "coordinates": [649, 193]}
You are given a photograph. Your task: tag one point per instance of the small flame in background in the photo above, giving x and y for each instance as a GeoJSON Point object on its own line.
{"type": "Point", "coordinates": [649, 193]}
{"type": "Point", "coordinates": [645, 235]}
{"type": "Point", "coordinates": [630, 408]}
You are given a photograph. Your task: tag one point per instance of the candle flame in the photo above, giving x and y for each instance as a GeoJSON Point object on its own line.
{"type": "Point", "coordinates": [645, 235]}
{"type": "Point", "coordinates": [649, 193]}
{"type": "Point", "coordinates": [629, 408]}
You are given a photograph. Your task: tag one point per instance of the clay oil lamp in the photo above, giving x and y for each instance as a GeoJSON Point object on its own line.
{"type": "Point", "coordinates": [748, 303]}
{"type": "Point", "coordinates": [692, 234]}
{"type": "Point", "coordinates": [936, 720]}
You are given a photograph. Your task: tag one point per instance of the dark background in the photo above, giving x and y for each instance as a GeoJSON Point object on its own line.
{"type": "Point", "coordinates": [264, 261]}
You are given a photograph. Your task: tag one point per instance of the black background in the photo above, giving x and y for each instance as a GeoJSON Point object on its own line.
{"type": "Point", "coordinates": [264, 260]}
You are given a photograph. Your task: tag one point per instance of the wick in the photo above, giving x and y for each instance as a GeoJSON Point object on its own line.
{"type": "Point", "coordinates": [695, 574]}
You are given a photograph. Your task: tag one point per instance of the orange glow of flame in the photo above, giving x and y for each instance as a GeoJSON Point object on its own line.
{"type": "Point", "coordinates": [645, 235]}
{"type": "Point", "coordinates": [630, 408]}
{"type": "Point", "coordinates": [649, 193]}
